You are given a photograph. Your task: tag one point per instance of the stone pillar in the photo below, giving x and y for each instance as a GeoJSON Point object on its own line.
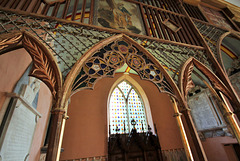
{"type": "Point", "coordinates": [193, 132]}
{"type": "Point", "coordinates": [55, 134]}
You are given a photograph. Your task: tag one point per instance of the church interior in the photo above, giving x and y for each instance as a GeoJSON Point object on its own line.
{"type": "Point", "coordinates": [119, 80]}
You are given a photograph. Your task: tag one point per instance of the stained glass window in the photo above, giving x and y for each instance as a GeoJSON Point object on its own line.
{"type": "Point", "coordinates": [126, 105]}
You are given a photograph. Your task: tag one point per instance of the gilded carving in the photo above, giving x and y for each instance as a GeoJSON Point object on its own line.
{"type": "Point", "coordinates": [187, 82]}
{"type": "Point", "coordinates": [41, 65]}
{"type": "Point", "coordinates": [8, 40]}
{"type": "Point", "coordinates": [44, 66]}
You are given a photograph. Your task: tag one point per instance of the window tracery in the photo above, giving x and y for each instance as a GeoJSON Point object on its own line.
{"type": "Point", "coordinates": [126, 106]}
{"type": "Point", "coordinates": [105, 61]}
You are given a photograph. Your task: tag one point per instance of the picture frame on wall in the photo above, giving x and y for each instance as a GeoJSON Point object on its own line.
{"type": "Point", "coordinates": [120, 15]}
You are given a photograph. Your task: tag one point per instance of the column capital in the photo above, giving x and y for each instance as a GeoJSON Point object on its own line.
{"type": "Point", "coordinates": [58, 110]}
{"type": "Point", "coordinates": [177, 114]}
{"type": "Point", "coordinates": [186, 111]}
{"type": "Point", "coordinates": [229, 113]}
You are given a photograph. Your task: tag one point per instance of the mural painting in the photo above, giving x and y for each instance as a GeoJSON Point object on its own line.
{"type": "Point", "coordinates": [121, 15]}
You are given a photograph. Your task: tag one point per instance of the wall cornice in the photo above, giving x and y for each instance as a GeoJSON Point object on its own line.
{"type": "Point", "coordinates": [235, 10]}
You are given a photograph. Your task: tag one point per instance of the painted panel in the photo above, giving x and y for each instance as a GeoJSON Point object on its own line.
{"type": "Point", "coordinates": [118, 14]}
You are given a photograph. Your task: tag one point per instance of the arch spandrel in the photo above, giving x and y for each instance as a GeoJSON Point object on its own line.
{"type": "Point", "coordinates": [44, 67]}
{"type": "Point", "coordinates": [104, 58]}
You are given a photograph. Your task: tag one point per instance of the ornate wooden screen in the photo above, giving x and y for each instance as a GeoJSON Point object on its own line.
{"type": "Point", "coordinates": [194, 12]}
{"type": "Point", "coordinates": [135, 146]}
{"type": "Point", "coordinates": [157, 16]}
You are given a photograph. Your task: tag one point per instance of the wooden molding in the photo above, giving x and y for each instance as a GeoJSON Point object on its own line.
{"type": "Point", "coordinates": [44, 65]}
{"type": "Point", "coordinates": [10, 39]}
{"type": "Point", "coordinates": [192, 2]}
{"type": "Point", "coordinates": [53, 1]}
{"type": "Point", "coordinates": [185, 82]}
{"type": "Point", "coordinates": [221, 4]}
{"type": "Point", "coordinates": [171, 25]}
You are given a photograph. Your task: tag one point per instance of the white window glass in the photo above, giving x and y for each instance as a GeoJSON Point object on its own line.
{"type": "Point", "coordinates": [126, 105]}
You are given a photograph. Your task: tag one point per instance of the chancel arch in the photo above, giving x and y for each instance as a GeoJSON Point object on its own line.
{"type": "Point", "coordinates": [88, 124]}
{"type": "Point", "coordinates": [104, 59]}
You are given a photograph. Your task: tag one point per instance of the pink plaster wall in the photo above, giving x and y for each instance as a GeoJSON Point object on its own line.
{"type": "Point", "coordinates": [12, 66]}
{"type": "Point", "coordinates": [86, 130]}
{"type": "Point", "coordinates": [43, 107]}
{"type": "Point", "coordinates": [216, 151]}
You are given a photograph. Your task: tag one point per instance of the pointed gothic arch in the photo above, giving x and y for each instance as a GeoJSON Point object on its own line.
{"type": "Point", "coordinates": [104, 58]}
{"type": "Point", "coordinates": [185, 84]}
{"type": "Point", "coordinates": [185, 81]}
{"type": "Point", "coordinates": [138, 88]}
{"type": "Point", "coordinates": [44, 67]}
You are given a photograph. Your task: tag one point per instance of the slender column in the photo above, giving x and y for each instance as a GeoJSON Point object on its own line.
{"type": "Point", "coordinates": [55, 133]}
{"type": "Point", "coordinates": [61, 138]}
{"type": "Point", "coordinates": [182, 132]}
{"type": "Point", "coordinates": [231, 118]}
{"type": "Point", "coordinates": [193, 132]}
{"type": "Point", "coordinates": [229, 115]}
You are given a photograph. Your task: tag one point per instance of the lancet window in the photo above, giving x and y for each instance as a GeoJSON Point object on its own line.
{"type": "Point", "coordinates": [127, 110]}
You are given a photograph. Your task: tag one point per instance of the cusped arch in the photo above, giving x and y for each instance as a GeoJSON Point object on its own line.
{"type": "Point", "coordinates": [104, 58]}
{"type": "Point", "coordinates": [186, 83]}
{"type": "Point", "coordinates": [219, 43]}
{"type": "Point", "coordinates": [44, 67]}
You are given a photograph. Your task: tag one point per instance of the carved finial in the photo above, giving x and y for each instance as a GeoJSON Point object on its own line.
{"type": "Point", "coordinates": [117, 129]}
{"type": "Point", "coordinates": [149, 128]}
{"type": "Point", "coordinates": [133, 122]}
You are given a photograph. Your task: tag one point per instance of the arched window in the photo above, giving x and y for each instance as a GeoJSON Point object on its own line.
{"type": "Point", "coordinates": [126, 105]}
